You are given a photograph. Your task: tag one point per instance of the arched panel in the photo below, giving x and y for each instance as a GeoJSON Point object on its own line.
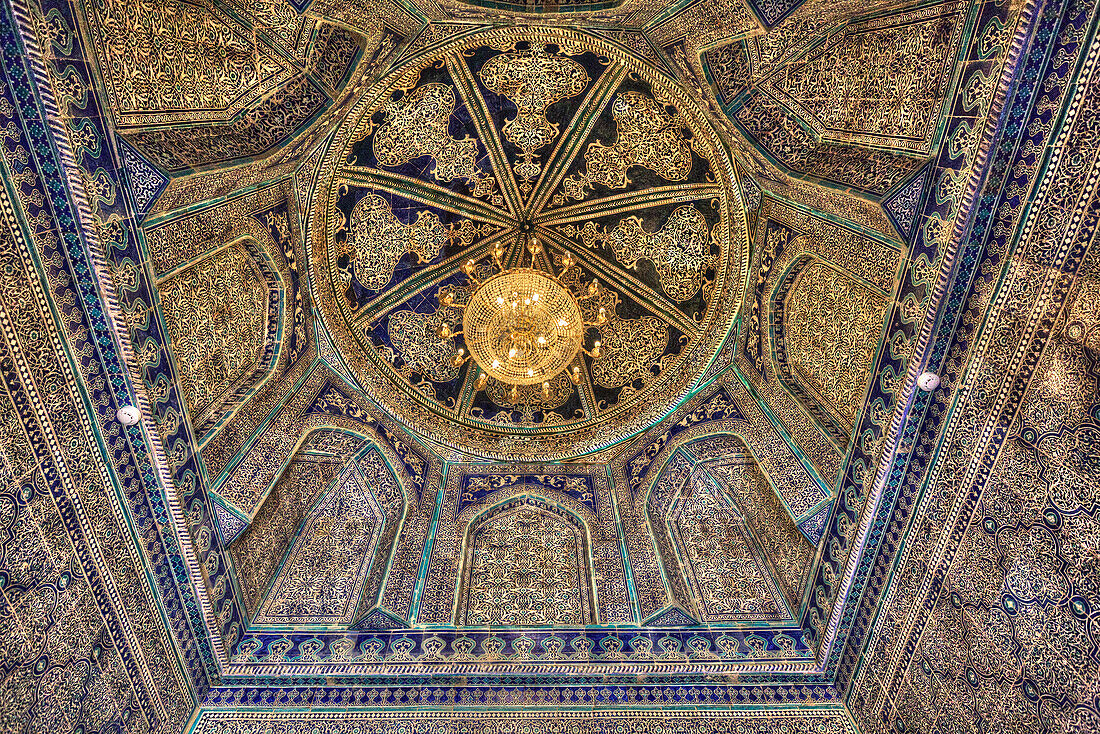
{"type": "Point", "coordinates": [333, 570]}
{"type": "Point", "coordinates": [259, 550]}
{"type": "Point", "coordinates": [825, 332]}
{"type": "Point", "coordinates": [526, 565]}
{"type": "Point", "coordinates": [725, 572]}
{"type": "Point", "coordinates": [222, 316]}
{"type": "Point", "coordinates": [786, 550]}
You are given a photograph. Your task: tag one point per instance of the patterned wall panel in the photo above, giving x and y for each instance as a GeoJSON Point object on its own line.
{"type": "Point", "coordinates": [726, 408]}
{"type": "Point", "coordinates": [151, 55]}
{"type": "Point", "coordinates": [849, 100]}
{"type": "Point", "coordinates": [259, 222]}
{"type": "Point", "coordinates": [193, 84]}
{"type": "Point", "coordinates": [258, 551]}
{"type": "Point", "coordinates": [784, 546]}
{"type": "Point", "coordinates": [307, 444]}
{"type": "Point", "coordinates": [825, 334]}
{"type": "Point", "coordinates": [725, 572]}
{"type": "Point", "coordinates": [223, 316]}
{"type": "Point", "coordinates": [821, 721]}
{"type": "Point", "coordinates": [334, 570]}
{"type": "Point", "coordinates": [989, 620]}
{"type": "Point", "coordinates": [571, 511]}
{"type": "Point", "coordinates": [787, 238]}
{"type": "Point", "coordinates": [526, 565]}
{"type": "Point", "coordinates": [878, 82]}
{"type": "Point", "coordinates": [96, 632]}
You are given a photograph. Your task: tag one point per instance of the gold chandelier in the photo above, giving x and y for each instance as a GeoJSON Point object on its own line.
{"type": "Point", "coordinates": [523, 326]}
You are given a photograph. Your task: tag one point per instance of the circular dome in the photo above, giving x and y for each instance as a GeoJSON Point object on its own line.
{"type": "Point", "coordinates": [523, 327]}
{"type": "Point", "coordinates": [471, 148]}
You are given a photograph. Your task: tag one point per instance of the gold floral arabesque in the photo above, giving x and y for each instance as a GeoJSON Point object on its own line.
{"type": "Point", "coordinates": [523, 325]}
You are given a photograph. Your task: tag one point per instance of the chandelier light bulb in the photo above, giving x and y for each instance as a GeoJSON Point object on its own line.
{"type": "Point", "coordinates": [593, 287]}
{"type": "Point", "coordinates": [601, 318]}
{"type": "Point", "coordinates": [575, 375]}
{"type": "Point", "coordinates": [567, 260]}
{"type": "Point", "coordinates": [513, 394]}
{"type": "Point", "coordinates": [448, 298]}
{"type": "Point", "coordinates": [445, 331]}
{"type": "Point", "coordinates": [482, 379]}
{"type": "Point", "coordinates": [546, 390]}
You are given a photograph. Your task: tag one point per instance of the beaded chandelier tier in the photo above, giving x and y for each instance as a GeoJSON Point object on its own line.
{"type": "Point", "coordinates": [523, 326]}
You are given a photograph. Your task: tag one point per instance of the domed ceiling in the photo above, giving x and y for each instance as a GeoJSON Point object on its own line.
{"type": "Point", "coordinates": [483, 145]}
{"type": "Point", "coordinates": [276, 228]}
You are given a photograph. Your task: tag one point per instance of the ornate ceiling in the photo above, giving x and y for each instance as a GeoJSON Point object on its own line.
{"type": "Point", "coordinates": [252, 219]}
{"type": "Point", "coordinates": [482, 142]}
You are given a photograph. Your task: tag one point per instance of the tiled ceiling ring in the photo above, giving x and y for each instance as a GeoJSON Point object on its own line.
{"type": "Point", "coordinates": [475, 146]}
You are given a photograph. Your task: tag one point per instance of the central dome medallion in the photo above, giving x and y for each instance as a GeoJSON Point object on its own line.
{"type": "Point", "coordinates": [527, 243]}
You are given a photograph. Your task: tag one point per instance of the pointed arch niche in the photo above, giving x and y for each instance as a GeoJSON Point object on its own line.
{"type": "Point", "coordinates": [730, 552]}
{"type": "Point", "coordinates": [332, 575]}
{"type": "Point", "coordinates": [318, 550]}
{"type": "Point", "coordinates": [826, 326]}
{"type": "Point", "coordinates": [222, 314]}
{"type": "Point", "coordinates": [526, 563]}
{"type": "Point", "coordinates": [258, 552]}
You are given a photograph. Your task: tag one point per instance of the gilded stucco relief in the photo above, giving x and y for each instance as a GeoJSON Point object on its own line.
{"type": "Point", "coordinates": [825, 337]}
{"type": "Point", "coordinates": [219, 318]}
{"type": "Point", "coordinates": [526, 567]}
{"type": "Point", "coordinates": [715, 553]}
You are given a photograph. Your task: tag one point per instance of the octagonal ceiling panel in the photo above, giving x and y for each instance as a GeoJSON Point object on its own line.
{"type": "Point", "coordinates": [528, 129]}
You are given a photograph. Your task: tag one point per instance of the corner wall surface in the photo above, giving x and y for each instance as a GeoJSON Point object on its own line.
{"type": "Point", "coordinates": [987, 620]}
{"type": "Point", "coordinates": [96, 624]}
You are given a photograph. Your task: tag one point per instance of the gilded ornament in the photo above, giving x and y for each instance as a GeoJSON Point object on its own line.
{"type": "Point", "coordinates": [416, 125]}
{"type": "Point", "coordinates": [645, 135]}
{"type": "Point", "coordinates": [533, 81]}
